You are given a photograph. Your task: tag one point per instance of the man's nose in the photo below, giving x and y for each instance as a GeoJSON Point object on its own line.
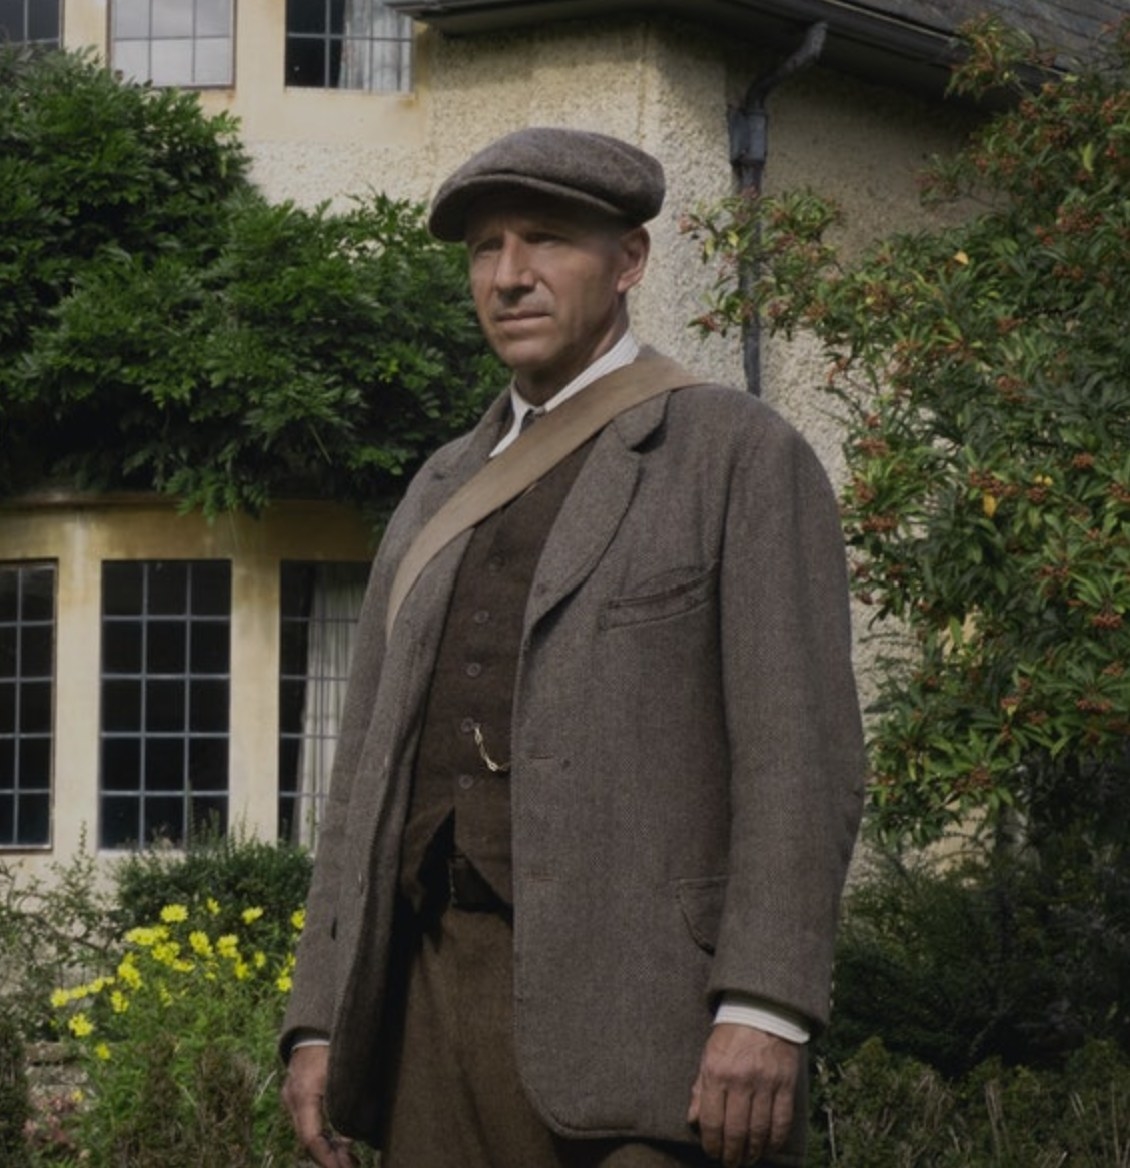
{"type": "Point", "coordinates": [513, 269]}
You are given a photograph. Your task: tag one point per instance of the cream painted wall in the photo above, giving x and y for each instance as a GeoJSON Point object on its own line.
{"type": "Point", "coordinates": [78, 533]}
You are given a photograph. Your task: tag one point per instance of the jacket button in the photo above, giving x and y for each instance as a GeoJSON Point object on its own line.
{"type": "Point", "coordinates": [466, 782]}
{"type": "Point", "coordinates": [474, 669]}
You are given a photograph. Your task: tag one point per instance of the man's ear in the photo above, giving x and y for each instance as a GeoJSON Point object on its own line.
{"type": "Point", "coordinates": [635, 247]}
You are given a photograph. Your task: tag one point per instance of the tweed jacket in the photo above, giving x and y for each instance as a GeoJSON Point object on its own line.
{"type": "Point", "coordinates": [686, 765]}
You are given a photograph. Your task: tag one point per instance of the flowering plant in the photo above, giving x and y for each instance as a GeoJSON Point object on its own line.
{"type": "Point", "coordinates": [177, 1042]}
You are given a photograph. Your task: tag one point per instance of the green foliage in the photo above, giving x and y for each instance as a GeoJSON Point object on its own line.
{"type": "Point", "coordinates": [163, 326]}
{"type": "Point", "coordinates": [50, 930]}
{"type": "Point", "coordinates": [984, 375]}
{"type": "Point", "coordinates": [233, 872]}
{"type": "Point", "coordinates": [962, 961]}
{"type": "Point", "coordinates": [885, 1109]}
{"type": "Point", "coordinates": [15, 1109]}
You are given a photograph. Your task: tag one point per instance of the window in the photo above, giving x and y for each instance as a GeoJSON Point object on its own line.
{"type": "Point", "coordinates": [173, 42]}
{"type": "Point", "coordinates": [166, 660]}
{"type": "Point", "coordinates": [30, 22]}
{"type": "Point", "coordinates": [27, 682]}
{"type": "Point", "coordinates": [319, 610]}
{"type": "Point", "coordinates": [347, 44]}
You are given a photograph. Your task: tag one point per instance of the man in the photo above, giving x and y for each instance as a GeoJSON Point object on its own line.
{"type": "Point", "coordinates": [600, 770]}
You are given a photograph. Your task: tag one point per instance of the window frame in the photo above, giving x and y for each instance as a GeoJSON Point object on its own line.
{"type": "Point", "coordinates": [114, 39]}
{"type": "Point", "coordinates": [18, 737]}
{"type": "Point", "coordinates": [154, 729]}
{"type": "Point", "coordinates": [333, 50]}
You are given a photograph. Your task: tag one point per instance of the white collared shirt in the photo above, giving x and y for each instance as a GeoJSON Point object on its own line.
{"type": "Point", "coordinates": [624, 352]}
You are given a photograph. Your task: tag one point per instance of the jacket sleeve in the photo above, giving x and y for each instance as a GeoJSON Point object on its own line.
{"type": "Point", "coordinates": [793, 724]}
{"type": "Point", "coordinates": [316, 975]}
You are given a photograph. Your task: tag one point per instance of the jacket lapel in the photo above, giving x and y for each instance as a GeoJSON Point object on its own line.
{"type": "Point", "coordinates": [594, 508]}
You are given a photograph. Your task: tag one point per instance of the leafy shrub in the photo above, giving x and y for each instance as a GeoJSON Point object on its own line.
{"type": "Point", "coordinates": [883, 1110]}
{"type": "Point", "coordinates": [177, 1041]}
{"type": "Point", "coordinates": [230, 872]}
{"type": "Point", "coordinates": [15, 1109]}
{"type": "Point", "coordinates": [959, 962]}
{"type": "Point", "coordinates": [51, 930]}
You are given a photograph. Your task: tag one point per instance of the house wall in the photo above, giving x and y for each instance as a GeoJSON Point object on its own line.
{"type": "Point", "coordinates": [77, 534]}
{"type": "Point", "coordinates": [662, 84]}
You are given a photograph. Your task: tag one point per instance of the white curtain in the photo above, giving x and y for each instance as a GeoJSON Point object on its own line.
{"type": "Point", "coordinates": [334, 608]}
{"type": "Point", "coordinates": [377, 49]}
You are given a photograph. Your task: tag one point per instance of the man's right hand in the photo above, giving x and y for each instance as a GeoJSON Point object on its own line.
{"type": "Point", "coordinates": [303, 1093]}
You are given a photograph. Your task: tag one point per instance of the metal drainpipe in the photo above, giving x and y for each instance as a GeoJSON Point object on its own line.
{"type": "Point", "coordinates": [749, 148]}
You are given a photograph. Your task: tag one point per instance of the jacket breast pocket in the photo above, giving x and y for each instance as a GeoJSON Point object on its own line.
{"type": "Point", "coordinates": [671, 594]}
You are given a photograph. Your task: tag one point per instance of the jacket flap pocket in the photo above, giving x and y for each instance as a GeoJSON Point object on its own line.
{"type": "Point", "coordinates": [701, 901]}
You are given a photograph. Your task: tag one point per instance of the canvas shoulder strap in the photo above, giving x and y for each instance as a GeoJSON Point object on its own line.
{"type": "Point", "coordinates": [508, 474]}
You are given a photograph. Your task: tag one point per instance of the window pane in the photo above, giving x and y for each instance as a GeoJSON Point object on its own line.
{"type": "Point", "coordinates": [213, 61]}
{"type": "Point", "coordinates": [9, 659]}
{"type": "Point", "coordinates": [43, 20]}
{"type": "Point", "coordinates": [122, 585]}
{"type": "Point", "coordinates": [7, 707]}
{"type": "Point", "coordinates": [172, 18]}
{"type": "Point", "coordinates": [208, 764]}
{"type": "Point", "coordinates": [35, 708]}
{"type": "Point", "coordinates": [209, 707]}
{"type": "Point", "coordinates": [7, 765]}
{"type": "Point", "coordinates": [131, 59]}
{"type": "Point", "coordinates": [209, 814]}
{"type": "Point", "coordinates": [211, 588]}
{"type": "Point", "coordinates": [37, 651]}
{"type": "Point", "coordinates": [305, 63]}
{"type": "Point", "coordinates": [307, 16]}
{"type": "Point", "coordinates": [12, 23]}
{"type": "Point", "coordinates": [121, 764]}
{"type": "Point", "coordinates": [168, 589]}
{"type": "Point", "coordinates": [38, 594]}
{"type": "Point", "coordinates": [35, 764]}
{"type": "Point", "coordinates": [33, 814]}
{"type": "Point", "coordinates": [171, 62]}
{"type": "Point", "coordinates": [121, 647]}
{"type": "Point", "coordinates": [165, 650]}
{"type": "Point", "coordinates": [9, 594]}
{"type": "Point", "coordinates": [164, 764]}
{"type": "Point", "coordinates": [213, 18]}
{"type": "Point", "coordinates": [121, 706]}
{"type": "Point", "coordinates": [210, 647]}
{"type": "Point", "coordinates": [164, 707]}
{"type": "Point", "coordinates": [121, 822]}
{"type": "Point", "coordinates": [164, 820]}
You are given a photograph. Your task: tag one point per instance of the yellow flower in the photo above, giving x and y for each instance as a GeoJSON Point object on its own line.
{"type": "Point", "coordinates": [241, 970]}
{"type": "Point", "coordinates": [129, 973]}
{"type": "Point", "coordinates": [989, 504]}
{"type": "Point", "coordinates": [166, 952]}
{"type": "Point", "coordinates": [285, 983]}
{"type": "Point", "coordinates": [174, 912]}
{"type": "Point", "coordinates": [147, 936]}
{"type": "Point", "coordinates": [119, 1003]}
{"type": "Point", "coordinates": [102, 1051]}
{"type": "Point", "coordinates": [251, 914]}
{"type": "Point", "coordinates": [228, 946]}
{"type": "Point", "coordinates": [200, 943]}
{"type": "Point", "coordinates": [213, 906]}
{"type": "Point", "coordinates": [80, 1026]}
{"type": "Point", "coordinates": [298, 920]}
{"type": "Point", "coordinates": [59, 998]}
{"type": "Point", "coordinates": [259, 959]}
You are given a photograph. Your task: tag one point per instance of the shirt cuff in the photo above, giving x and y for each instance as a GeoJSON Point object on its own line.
{"type": "Point", "coordinates": [308, 1038]}
{"type": "Point", "coordinates": [746, 1010]}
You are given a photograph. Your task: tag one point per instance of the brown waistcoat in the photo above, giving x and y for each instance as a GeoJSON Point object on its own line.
{"type": "Point", "coordinates": [473, 685]}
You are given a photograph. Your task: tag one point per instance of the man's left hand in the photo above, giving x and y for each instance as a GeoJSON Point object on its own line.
{"type": "Point", "coordinates": [743, 1099]}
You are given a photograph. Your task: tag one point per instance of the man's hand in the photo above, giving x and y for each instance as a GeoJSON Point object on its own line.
{"type": "Point", "coordinates": [743, 1098]}
{"type": "Point", "coordinates": [303, 1092]}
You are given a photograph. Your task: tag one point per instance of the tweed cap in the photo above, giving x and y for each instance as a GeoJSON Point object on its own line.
{"type": "Point", "coordinates": [579, 165]}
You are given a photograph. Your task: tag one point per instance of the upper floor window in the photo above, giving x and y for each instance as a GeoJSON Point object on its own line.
{"type": "Point", "coordinates": [166, 680]}
{"type": "Point", "coordinates": [30, 22]}
{"type": "Point", "coordinates": [347, 44]}
{"type": "Point", "coordinates": [27, 682]}
{"type": "Point", "coordinates": [173, 42]}
{"type": "Point", "coordinates": [319, 610]}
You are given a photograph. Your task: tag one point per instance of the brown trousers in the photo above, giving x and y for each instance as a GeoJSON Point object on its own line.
{"type": "Point", "coordinates": [457, 1101]}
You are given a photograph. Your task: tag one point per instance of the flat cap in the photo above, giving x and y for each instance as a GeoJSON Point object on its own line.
{"type": "Point", "coordinates": [579, 165]}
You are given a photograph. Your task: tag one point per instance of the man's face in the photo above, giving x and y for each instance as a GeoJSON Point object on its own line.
{"type": "Point", "coordinates": [549, 282]}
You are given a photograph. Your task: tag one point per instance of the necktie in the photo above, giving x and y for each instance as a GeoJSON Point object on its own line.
{"type": "Point", "coordinates": [530, 417]}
